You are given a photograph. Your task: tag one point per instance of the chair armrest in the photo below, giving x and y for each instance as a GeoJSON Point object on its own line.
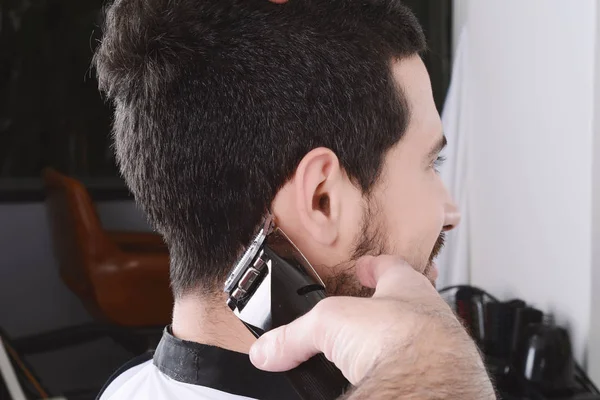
{"type": "Point", "coordinates": [133, 289]}
{"type": "Point", "coordinates": [145, 263]}
{"type": "Point", "coordinates": [138, 241]}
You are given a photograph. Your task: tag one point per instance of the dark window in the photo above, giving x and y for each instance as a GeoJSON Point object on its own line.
{"type": "Point", "coordinates": [51, 113]}
{"type": "Point", "coordinates": [436, 18]}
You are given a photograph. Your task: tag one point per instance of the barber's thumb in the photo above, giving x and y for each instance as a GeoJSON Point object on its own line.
{"type": "Point", "coordinates": [284, 348]}
{"type": "Point", "coordinates": [371, 270]}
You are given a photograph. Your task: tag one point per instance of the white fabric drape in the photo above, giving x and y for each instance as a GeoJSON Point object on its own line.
{"type": "Point", "coordinates": [453, 262]}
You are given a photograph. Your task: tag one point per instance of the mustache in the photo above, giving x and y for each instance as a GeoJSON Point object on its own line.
{"type": "Point", "coordinates": [438, 246]}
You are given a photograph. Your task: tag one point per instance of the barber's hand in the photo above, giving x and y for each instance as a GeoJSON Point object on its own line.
{"type": "Point", "coordinates": [356, 333]}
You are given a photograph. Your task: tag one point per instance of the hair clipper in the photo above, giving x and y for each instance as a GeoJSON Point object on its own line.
{"type": "Point", "coordinates": [272, 285]}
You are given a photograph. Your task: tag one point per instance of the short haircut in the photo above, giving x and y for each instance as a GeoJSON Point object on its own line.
{"type": "Point", "coordinates": [217, 101]}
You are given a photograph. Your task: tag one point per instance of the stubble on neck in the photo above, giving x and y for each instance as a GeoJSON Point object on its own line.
{"type": "Point", "coordinates": [208, 320]}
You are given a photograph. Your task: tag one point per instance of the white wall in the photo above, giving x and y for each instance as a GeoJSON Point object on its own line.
{"type": "Point", "coordinates": [594, 339]}
{"type": "Point", "coordinates": [532, 86]}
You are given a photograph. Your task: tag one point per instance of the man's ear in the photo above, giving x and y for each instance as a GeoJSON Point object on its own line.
{"type": "Point", "coordinates": [318, 185]}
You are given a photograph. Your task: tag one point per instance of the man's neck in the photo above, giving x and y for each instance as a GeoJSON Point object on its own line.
{"type": "Point", "coordinates": [209, 321]}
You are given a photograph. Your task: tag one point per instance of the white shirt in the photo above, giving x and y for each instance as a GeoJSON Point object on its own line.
{"type": "Point", "coordinates": [181, 370]}
{"type": "Point", "coordinates": [146, 382]}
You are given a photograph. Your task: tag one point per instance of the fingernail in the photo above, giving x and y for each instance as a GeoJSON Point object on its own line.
{"type": "Point", "coordinates": [258, 355]}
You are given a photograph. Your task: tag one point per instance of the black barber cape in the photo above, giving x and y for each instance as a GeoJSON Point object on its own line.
{"type": "Point", "coordinates": [190, 371]}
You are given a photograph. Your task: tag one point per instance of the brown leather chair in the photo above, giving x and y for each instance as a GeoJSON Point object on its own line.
{"type": "Point", "coordinates": [121, 277]}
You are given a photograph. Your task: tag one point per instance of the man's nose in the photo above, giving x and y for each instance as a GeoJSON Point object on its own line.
{"type": "Point", "coordinates": [452, 216]}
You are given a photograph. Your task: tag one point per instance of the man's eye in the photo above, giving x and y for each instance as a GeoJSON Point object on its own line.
{"type": "Point", "coordinates": [437, 164]}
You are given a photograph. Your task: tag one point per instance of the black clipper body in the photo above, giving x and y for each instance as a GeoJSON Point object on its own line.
{"type": "Point", "coordinates": [272, 285]}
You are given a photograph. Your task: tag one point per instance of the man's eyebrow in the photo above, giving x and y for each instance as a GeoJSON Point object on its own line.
{"type": "Point", "coordinates": [438, 147]}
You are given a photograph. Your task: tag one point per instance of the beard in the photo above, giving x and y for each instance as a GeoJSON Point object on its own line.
{"type": "Point", "coordinates": [437, 247]}
{"type": "Point", "coordinates": [371, 241]}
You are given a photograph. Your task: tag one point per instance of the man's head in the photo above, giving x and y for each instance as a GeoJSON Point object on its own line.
{"type": "Point", "coordinates": [319, 111]}
{"type": "Point", "coordinates": [404, 213]}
